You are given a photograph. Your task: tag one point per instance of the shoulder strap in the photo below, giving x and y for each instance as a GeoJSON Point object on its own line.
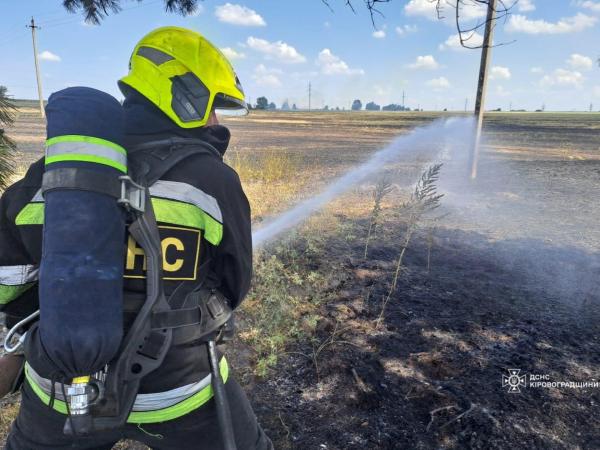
{"type": "Point", "coordinates": [153, 159]}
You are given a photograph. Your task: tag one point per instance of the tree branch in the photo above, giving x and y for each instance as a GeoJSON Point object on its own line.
{"type": "Point", "coordinates": [97, 10]}
{"type": "Point", "coordinates": [371, 5]}
{"type": "Point", "coordinates": [466, 33]}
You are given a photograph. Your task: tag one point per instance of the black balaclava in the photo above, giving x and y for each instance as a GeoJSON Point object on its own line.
{"type": "Point", "coordinates": [144, 122]}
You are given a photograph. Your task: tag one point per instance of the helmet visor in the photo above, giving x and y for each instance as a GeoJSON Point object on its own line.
{"type": "Point", "coordinates": [229, 106]}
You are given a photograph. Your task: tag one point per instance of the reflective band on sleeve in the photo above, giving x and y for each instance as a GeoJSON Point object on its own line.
{"type": "Point", "coordinates": [186, 193]}
{"type": "Point", "coordinates": [14, 280]}
{"type": "Point", "coordinates": [187, 215]}
{"type": "Point", "coordinates": [38, 197]}
{"type": "Point", "coordinates": [86, 149]}
{"type": "Point", "coordinates": [169, 405]}
{"type": "Point", "coordinates": [10, 293]}
{"type": "Point", "coordinates": [17, 275]}
{"type": "Point", "coordinates": [31, 214]}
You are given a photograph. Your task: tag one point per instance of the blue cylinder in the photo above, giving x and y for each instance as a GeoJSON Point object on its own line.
{"type": "Point", "coordinates": [81, 271]}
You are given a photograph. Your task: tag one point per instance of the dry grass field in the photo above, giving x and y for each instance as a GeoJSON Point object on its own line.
{"type": "Point", "coordinates": [338, 353]}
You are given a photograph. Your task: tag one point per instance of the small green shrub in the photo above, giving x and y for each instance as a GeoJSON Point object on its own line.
{"type": "Point", "coordinates": [282, 303]}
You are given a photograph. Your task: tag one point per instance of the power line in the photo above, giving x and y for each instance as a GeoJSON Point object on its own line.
{"type": "Point", "coordinates": [14, 38]}
{"type": "Point", "coordinates": [53, 23]}
{"type": "Point", "coordinates": [7, 33]}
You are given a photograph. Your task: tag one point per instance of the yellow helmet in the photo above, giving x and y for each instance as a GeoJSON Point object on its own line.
{"type": "Point", "coordinates": [184, 75]}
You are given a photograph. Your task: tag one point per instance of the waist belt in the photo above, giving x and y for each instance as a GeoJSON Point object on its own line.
{"type": "Point", "coordinates": [147, 408]}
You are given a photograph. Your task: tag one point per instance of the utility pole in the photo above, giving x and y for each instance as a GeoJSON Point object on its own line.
{"type": "Point", "coordinates": [466, 104]}
{"type": "Point", "coordinates": [34, 27]}
{"type": "Point", "coordinates": [403, 99]}
{"type": "Point", "coordinates": [486, 56]}
{"type": "Point", "coordinates": [309, 95]}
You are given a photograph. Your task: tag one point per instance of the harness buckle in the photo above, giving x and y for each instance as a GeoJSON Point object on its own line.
{"type": "Point", "coordinates": [133, 195]}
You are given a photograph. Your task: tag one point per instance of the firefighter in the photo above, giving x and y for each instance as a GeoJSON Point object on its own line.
{"type": "Point", "coordinates": [177, 82]}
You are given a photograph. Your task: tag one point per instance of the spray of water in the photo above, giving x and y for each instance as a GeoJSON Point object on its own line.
{"type": "Point", "coordinates": [545, 238]}
{"type": "Point", "coordinates": [441, 136]}
{"type": "Point", "coordinates": [534, 217]}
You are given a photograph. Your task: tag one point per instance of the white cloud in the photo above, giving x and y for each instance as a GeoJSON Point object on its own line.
{"type": "Point", "coordinates": [379, 34]}
{"type": "Point", "coordinates": [239, 15]}
{"type": "Point", "coordinates": [406, 29]}
{"type": "Point", "coordinates": [588, 4]}
{"type": "Point", "coordinates": [577, 61]}
{"type": "Point", "coordinates": [470, 11]}
{"type": "Point", "coordinates": [232, 53]}
{"type": "Point", "coordinates": [331, 64]}
{"type": "Point", "coordinates": [427, 9]}
{"type": "Point", "coordinates": [526, 5]}
{"type": "Point", "coordinates": [266, 77]}
{"type": "Point", "coordinates": [439, 83]}
{"type": "Point", "coordinates": [563, 78]}
{"type": "Point", "coordinates": [48, 56]}
{"type": "Point", "coordinates": [521, 24]}
{"type": "Point", "coordinates": [453, 42]}
{"type": "Point", "coordinates": [427, 62]}
{"type": "Point", "coordinates": [278, 50]}
{"type": "Point", "coordinates": [423, 8]}
{"type": "Point", "coordinates": [500, 73]}
{"type": "Point", "coordinates": [536, 70]}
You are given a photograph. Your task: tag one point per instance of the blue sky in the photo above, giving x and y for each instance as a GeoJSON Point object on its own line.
{"type": "Point", "coordinates": [278, 46]}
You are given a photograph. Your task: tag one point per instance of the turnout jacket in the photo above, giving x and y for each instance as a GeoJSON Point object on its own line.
{"type": "Point", "coordinates": [203, 217]}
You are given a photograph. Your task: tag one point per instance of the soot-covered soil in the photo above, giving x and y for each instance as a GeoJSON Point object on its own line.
{"type": "Point", "coordinates": [512, 284]}
{"type": "Point", "coordinates": [430, 376]}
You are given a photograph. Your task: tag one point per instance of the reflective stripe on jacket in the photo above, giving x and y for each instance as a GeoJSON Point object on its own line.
{"type": "Point", "coordinates": [148, 408]}
{"type": "Point", "coordinates": [173, 202]}
{"type": "Point", "coordinates": [14, 280]}
{"type": "Point", "coordinates": [204, 225]}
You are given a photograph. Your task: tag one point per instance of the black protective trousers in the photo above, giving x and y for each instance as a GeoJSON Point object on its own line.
{"type": "Point", "coordinates": [38, 427]}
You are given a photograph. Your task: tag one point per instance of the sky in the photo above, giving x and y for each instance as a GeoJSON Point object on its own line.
{"type": "Point", "coordinates": [548, 57]}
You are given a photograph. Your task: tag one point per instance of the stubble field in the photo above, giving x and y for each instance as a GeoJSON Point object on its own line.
{"type": "Point", "coordinates": [503, 275]}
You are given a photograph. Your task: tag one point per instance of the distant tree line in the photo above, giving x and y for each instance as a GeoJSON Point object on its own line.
{"type": "Point", "coordinates": [262, 103]}
{"type": "Point", "coordinates": [372, 106]}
